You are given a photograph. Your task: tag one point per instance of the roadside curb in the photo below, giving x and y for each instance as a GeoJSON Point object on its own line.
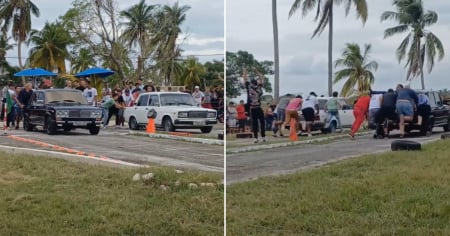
{"type": "Point", "coordinates": [179, 138]}
{"type": "Point", "coordinates": [288, 144]}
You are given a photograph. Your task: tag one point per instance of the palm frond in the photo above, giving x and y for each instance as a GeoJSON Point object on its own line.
{"type": "Point", "coordinates": [395, 30]}
{"type": "Point", "coordinates": [389, 15]}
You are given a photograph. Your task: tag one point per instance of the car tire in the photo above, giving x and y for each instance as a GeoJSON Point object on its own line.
{"type": "Point", "coordinates": [406, 145]}
{"type": "Point", "coordinates": [50, 126]}
{"type": "Point", "coordinates": [333, 127]}
{"type": "Point", "coordinates": [26, 124]}
{"type": "Point", "coordinates": [447, 126]}
{"type": "Point", "coordinates": [94, 130]}
{"type": "Point", "coordinates": [445, 136]}
{"type": "Point", "coordinates": [132, 124]}
{"type": "Point", "coordinates": [168, 125]}
{"type": "Point", "coordinates": [206, 130]}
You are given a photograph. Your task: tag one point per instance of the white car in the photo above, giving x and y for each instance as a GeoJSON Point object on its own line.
{"type": "Point", "coordinates": [321, 123]}
{"type": "Point", "coordinates": [174, 110]}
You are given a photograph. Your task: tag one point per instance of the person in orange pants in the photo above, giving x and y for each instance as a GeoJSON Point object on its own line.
{"type": "Point", "coordinates": [360, 110]}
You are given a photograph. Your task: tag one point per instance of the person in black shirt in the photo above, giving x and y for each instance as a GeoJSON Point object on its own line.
{"type": "Point", "coordinates": [387, 111]}
{"type": "Point", "coordinates": [254, 93]}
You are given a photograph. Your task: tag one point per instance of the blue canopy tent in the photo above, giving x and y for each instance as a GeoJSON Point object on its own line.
{"type": "Point", "coordinates": [95, 71]}
{"type": "Point", "coordinates": [34, 73]}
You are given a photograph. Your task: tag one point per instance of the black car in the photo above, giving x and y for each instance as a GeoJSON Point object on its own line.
{"type": "Point", "coordinates": [64, 109]}
{"type": "Point", "coordinates": [439, 116]}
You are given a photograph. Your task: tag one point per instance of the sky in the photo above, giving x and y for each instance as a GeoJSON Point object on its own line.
{"type": "Point", "coordinates": [303, 61]}
{"type": "Point", "coordinates": [205, 38]}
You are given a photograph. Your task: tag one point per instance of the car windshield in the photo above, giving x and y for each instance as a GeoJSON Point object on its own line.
{"type": "Point", "coordinates": [68, 97]}
{"type": "Point", "coordinates": [176, 99]}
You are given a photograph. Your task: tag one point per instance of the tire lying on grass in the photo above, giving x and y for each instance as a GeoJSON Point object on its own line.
{"type": "Point", "coordinates": [445, 136]}
{"type": "Point", "coordinates": [399, 145]}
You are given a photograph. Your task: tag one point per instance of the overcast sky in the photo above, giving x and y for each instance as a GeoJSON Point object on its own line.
{"type": "Point", "coordinates": [303, 61]}
{"type": "Point", "coordinates": [204, 25]}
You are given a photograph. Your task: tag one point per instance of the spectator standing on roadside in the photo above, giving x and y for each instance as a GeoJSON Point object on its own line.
{"type": "Point", "coordinates": [90, 94]}
{"type": "Point", "coordinates": [254, 93]}
{"type": "Point", "coordinates": [406, 104]}
{"type": "Point", "coordinates": [111, 102]}
{"type": "Point", "coordinates": [23, 99]}
{"type": "Point", "coordinates": [81, 85]}
{"type": "Point", "coordinates": [106, 92]}
{"type": "Point", "coordinates": [241, 116]}
{"type": "Point", "coordinates": [198, 96]}
{"type": "Point", "coordinates": [207, 100]}
{"type": "Point", "coordinates": [68, 84]}
{"type": "Point", "coordinates": [360, 111]}
{"type": "Point", "coordinates": [310, 109]}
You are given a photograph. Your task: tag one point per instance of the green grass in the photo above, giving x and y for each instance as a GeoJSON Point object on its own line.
{"type": "Point", "coordinates": [43, 196]}
{"type": "Point", "coordinates": [396, 193]}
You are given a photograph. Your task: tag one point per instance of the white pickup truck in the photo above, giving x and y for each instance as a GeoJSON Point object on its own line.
{"type": "Point", "coordinates": [174, 110]}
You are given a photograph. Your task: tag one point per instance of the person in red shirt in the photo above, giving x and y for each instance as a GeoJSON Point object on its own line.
{"type": "Point", "coordinates": [241, 116]}
{"type": "Point", "coordinates": [360, 110]}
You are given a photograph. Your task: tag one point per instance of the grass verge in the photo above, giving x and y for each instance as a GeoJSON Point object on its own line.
{"type": "Point", "coordinates": [396, 193]}
{"type": "Point", "coordinates": [43, 196]}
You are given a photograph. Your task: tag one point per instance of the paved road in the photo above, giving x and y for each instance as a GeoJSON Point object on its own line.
{"type": "Point", "coordinates": [251, 165]}
{"type": "Point", "coordinates": [116, 144]}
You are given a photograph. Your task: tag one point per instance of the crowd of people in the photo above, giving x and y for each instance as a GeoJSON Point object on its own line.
{"type": "Point", "coordinates": [112, 100]}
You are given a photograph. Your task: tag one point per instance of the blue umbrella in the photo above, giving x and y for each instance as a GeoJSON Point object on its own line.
{"type": "Point", "coordinates": [34, 73]}
{"type": "Point", "coordinates": [95, 71]}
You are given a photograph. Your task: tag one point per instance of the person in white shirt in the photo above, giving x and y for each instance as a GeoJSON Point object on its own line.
{"type": "Point", "coordinates": [198, 96]}
{"type": "Point", "coordinates": [374, 107]}
{"type": "Point", "coordinates": [310, 109]}
{"type": "Point", "coordinates": [90, 94]}
{"type": "Point", "coordinates": [106, 92]}
{"type": "Point", "coordinates": [68, 84]}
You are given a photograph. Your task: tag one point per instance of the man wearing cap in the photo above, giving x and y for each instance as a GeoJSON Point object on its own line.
{"type": "Point", "coordinates": [198, 96]}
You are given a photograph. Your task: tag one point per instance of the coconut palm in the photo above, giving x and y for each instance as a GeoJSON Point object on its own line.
{"type": "Point", "coordinates": [191, 73]}
{"type": "Point", "coordinates": [18, 12]}
{"type": "Point", "coordinates": [169, 20]}
{"type": "Point", "coordinates": [50, 47]}
{"type": "Point", "coordinates": [138, 26]}
{"type": "Point", "coordinates": [82, 61]}
{"type": "Point", "coordinates": [324, 11]}
{"type": "Point", "coordinates": [357, 69]}
{"type": "Point", "coordinates": [414, 20]}
{"type": "Point", "coordinates": [5, 46]}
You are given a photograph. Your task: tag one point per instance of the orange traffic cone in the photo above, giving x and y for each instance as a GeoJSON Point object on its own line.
{"type": "Point", "coordinates": [293, 132]}
{"type": "Point", "coordinates": [151, 126]}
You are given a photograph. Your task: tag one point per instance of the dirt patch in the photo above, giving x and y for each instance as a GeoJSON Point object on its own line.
{"type": "Point", "coordinates": [12, 177]}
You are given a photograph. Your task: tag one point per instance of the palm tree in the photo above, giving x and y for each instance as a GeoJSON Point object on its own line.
{"type": "Point", "coordinates": [137, 29]}
{"type": "Point", "coordinates": [191, 71]}
{"type": "Point", "coordinates": [4, 48]}
{"type": "Point", "coordinates": [82, 61]}
{"type": "Point", "coordinates": [169, 20]}
{"type": "Point", "coordinates": [276, 50]}
{"type": "Point", "coordinates": [19, 13]}
{"type": "Point", "coordinates": [50, 47]}
{"type": "Point", "coordinates": [357, 69]}
{"type": "Point", "coordinates": [412, 17]}
{"type": "Point", "coordinates": [324, 11]}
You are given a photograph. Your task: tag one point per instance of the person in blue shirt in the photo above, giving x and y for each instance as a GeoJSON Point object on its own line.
{"type": "Point", "coordinates": [423, 109]}
{"type": "Point", "coordinates": [407, 101]}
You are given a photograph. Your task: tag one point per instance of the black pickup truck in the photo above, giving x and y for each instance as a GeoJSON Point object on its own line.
{"type": "Point", "coordinates": [64, 109]}
{"type": "Point", "coordinates": [439, 117]}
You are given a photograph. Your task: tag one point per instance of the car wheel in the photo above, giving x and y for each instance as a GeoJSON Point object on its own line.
{"type": "Point", "coordinates": [445, 136]}
{"type": "Point", "coordinates": [26, 124]}
{"type": "Point", "coordinates": [132, 124]}
{"type": "Point", "coordinates": [94, 130]}
{"type": "Point", "coordinates": [50, 126]}
{"type": "Point", "coordinates": [207, 129]}
{"type": "Point", "coordinates": [168, 126]}
{"type": "Point", "coordinates": [447, 126]}
{"type": "Point", "coordinates": [406, 145]}
{"type": "Point", "coordinates": [332, 127]}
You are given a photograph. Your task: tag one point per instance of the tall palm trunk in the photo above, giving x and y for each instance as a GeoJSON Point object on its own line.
{"type": "Point", "coordinates": [19, 51]}
{"type": "Point", "coordinates": [419, 58]}
{"type": "Point", "coordinates": [276, 50]}
{"type": "Point", "coordinates": [330, 51]}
